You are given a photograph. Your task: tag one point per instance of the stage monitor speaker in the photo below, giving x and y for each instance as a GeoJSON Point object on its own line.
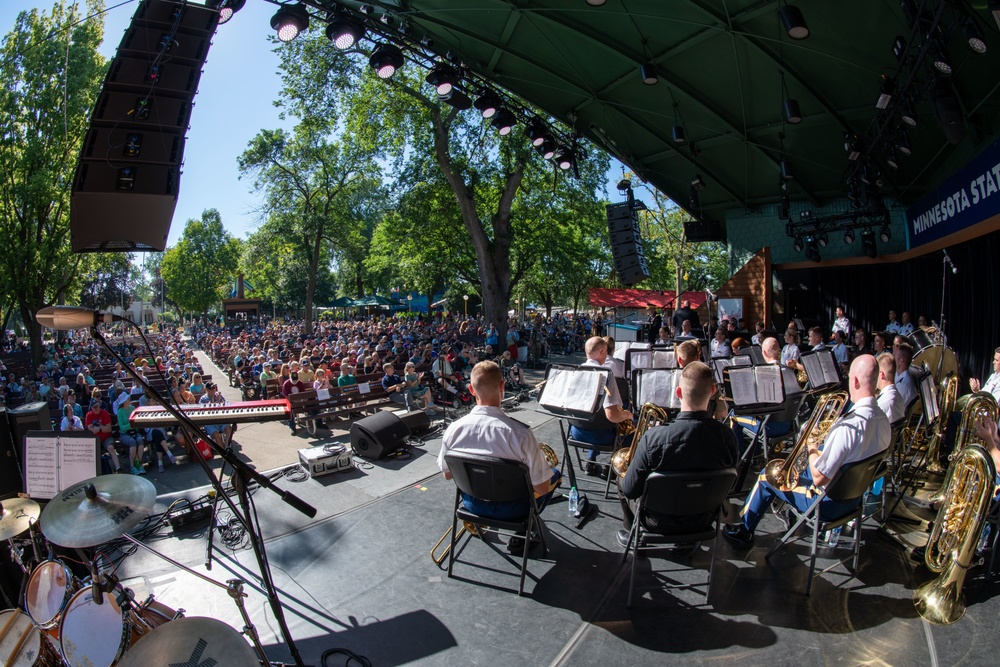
{"type": "Point", "coordinates": [10, 464]}
{"type": "Point", "coordinates": [28, 417]}
{"type": "Point", "coordinates": [378, 435]}
{"type": "Point", "coordinates": [417, 421]}
{"type": "Point", "coordinates": [128, 176]}
{"type": "Point", "coordinates": [698, 231]}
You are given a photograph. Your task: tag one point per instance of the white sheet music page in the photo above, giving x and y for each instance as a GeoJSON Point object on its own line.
{"type": "Point", "coordinates": [656, 387]}
{"type": "Point", "coordinates": [555, 389]}
{"type": "Point", "coordinates": [743, 386]}
{"type": "Point", "coordinates": [77, 460]}
{"type": "Point", "coordinates": [621, 350]}
{"type": "Point", "coordinates": [664, 359]}
{"type": "Point", "coordinates": [573, 390]}
{"type": "Point", "coordinates": [769, 389]}
{"type": "Point", "coordinates": [829, 365]}
{"type": "Point", "coordinates": [642, 359]}
{"type": "Point", "coordinates": [41, 466]}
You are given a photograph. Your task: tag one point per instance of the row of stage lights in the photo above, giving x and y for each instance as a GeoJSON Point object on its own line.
{"type": "Point", "coordinates": [345, 31]}
{"type": "Point", "coordinates": [812, 234]}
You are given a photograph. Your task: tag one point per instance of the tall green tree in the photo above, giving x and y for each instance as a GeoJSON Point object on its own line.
{"type": "Point", "coordinates": [199, 270]}
{"type": "Point", "coordinates": [105, 280]}
{"type": "Point", "coordinates": [51, 73]}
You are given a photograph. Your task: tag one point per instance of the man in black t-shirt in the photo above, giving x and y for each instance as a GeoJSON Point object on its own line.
{"type": "Point", "coordinates": [693, 441]}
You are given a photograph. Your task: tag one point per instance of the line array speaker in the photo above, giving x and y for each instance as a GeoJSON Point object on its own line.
{"type": "Point", "coordinates": [626, 244]}
{"type": "Point", "coordinates": [128, 176]}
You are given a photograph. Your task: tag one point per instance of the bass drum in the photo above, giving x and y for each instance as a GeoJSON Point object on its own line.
{"type": "Point", "coordinates": [928, 351]}
{"type": "Point", "coordinates": [22, 645]}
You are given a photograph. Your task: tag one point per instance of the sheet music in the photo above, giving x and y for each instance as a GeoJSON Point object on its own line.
{"type": "Point", "coordinates": [828, 364]}
{"type": "Point", "coordinates": [555, 390]}
{"type": "Point", "coordinates": [742, 360]}
{"type": "Point", "coordinates": [578, 391]}
{"type": "Point", "coordinates": [621, 350]}
{"type": "Point", "coordinates": [929, 399]}
{"type": "Point", "coordinates": [743, 386]}
{"type": "Point", "coordinates": [718, 364]}
{"type": "Point", "coordinates": [659, 387]}
{"type": "Point", "coordinates": [41, 467]}
{"type": "Point", "coordinates": [664, 359]}
{"type": "Point", "coordinates": [821, 368]}
{"type": "Point", "coordinates": [757, 355]}
{"type": "Point", "coordinates": [790, 380]}
{"type": "Point", "coordinates": [769, 388]}
{"type": "Point", "coordinates": [641, 359]}
{"type": "Point", "coordinates": [77, 459]}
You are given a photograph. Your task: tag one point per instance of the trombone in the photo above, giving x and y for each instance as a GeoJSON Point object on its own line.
{"type": "Point", "coordinates": [467, 527]}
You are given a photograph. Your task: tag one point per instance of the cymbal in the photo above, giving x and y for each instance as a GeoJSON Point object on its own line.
{"type": "Point", "coordinates": [97, 510]}
{"type": "Point", "coordinates": [16, 515]}
{"type": "Point", "coordinates": [191, 641]}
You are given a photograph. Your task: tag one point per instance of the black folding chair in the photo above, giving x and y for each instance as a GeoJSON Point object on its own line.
{"type": "Point", "coordinates": [493, 479]}
{"type": "Point", "coordinates": [598, 422]}
{"type": "Point", "coordinates": [851, 483]}
{"type": "Point", "coordinates": [679, 494]}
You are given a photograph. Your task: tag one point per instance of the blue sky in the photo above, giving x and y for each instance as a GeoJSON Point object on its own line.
{"type": "Point", "coordinates": [234, 101]}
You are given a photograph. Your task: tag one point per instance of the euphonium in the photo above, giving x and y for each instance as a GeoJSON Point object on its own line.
{"type": "Point", "coordinates": [650, 415]}
{"type": "Point", "coordinates": [967, 495]}
{"type": "Point", "coordinates": [947, 395]}
{"type": "Point", "coordinates": [783, 474]}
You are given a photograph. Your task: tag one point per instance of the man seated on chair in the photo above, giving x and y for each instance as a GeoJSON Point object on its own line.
{"type": "Point", "coordinates": [859, 434]}
{"type": "Point", "coordinates": [748, 425]}
{"type": "Point", "coordinates": [692, 441]}
{"type": "Point", "coordinates": [487, 431]}
{"type": "Point", "coordinates": [889, 398]}
{"type": "Point", "coordinates": [596, 349]}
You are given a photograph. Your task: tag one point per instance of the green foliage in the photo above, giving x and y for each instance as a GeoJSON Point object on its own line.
{"type": "Point", "coordinates": [105, 280]}
{"type": "Point", "coordinates": [199, 269]}
{"type": "Point", "coordinates": [51, 73]}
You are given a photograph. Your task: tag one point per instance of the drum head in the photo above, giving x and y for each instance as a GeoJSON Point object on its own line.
{"type": "Point", "coordinates": [49, 587]}
{"type": "Point", "coordinates": [935, 356]}
{"type": "Point", "coordinates": [91, 634]}
{"type": "Point", "coordinates": [30, 648]}
{"type": "Point", "coordinates": [191, 641]}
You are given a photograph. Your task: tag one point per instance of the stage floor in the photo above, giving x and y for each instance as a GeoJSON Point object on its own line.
{"type": "Point", "coordinates": [360, 577]}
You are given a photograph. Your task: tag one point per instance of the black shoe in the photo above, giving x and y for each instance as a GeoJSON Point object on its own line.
{"type": "Point", "coordinates": [516, 545]}
{"type": "Point", "coordinates": [918, 553]}
{"type": "Point", "coordinates": [595, 469]}
{"type": "Point", "coordinates": [738, 535]}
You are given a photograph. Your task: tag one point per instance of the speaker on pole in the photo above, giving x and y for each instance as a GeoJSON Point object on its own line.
{"type": "Point", "coordinates": [128, 176]}
{"type": "Point", "coordinates": [626, 243]}
{"type": "Point", "coordinates": [378, 435]}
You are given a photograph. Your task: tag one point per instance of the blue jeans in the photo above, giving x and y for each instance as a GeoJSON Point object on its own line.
{"type": "Point", "coordinates": [600, 438]}
{"type": "Point", "coordinates": [509, 511]}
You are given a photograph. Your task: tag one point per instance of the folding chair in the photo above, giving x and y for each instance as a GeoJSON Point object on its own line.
{"type": "Point", "coordinates": [598, 422]}
{"type": "Point", "coordinates": [851, 483]}
{"type": "Point", "coordinates": [677, 494]}
{"type": "Point", "coordinates": [493, 479]}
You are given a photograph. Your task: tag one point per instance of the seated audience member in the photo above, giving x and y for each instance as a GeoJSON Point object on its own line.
{"type": "Point", "coordinates": [129, 436]}
{"type": "Point", "coordinates": [859, 434]}
{"type": "Point", "coordinates": [395, 387]}
{"type": "Point", "coordinates": [293, 385]}
{"type": "Point", "coordinates": [512, 374]}
{"type": "Point", "coordinates": [218, 432]}
{"type": "Point", "coordinates": [158, 437]}
{"type": "Point", "coordinates": [420, 396]}
{"type": "Point", "coordinates": [692, 441]}
{"type": "Point", "coordinates": [70, 422]}
{"type": "Point", "coordinates": [98, 421]}
{"type": "Point", "coordinates": [487, 431]}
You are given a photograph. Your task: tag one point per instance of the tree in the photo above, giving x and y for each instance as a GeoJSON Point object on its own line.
{"type": "Point", "coordinates": [199, 269]}
{"type": "Point", "coordinates": [105, 279]}
{"type": "Point", "coordinates": [51, 73]}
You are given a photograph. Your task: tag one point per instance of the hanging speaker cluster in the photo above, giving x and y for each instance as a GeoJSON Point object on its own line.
{"type": "Point", "coordinates": [626, 243]}
{"type": "Point", "coordinates": [128, 176]}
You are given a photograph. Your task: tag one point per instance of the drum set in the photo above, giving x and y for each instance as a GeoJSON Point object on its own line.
{"type": "Point", "coordinates": [94, 621]}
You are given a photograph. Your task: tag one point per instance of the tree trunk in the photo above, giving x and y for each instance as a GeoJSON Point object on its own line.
{"type": "Point", "coordinates": [34, 333]}
{"type": "Point", "coordinates": [359, 281]}
{"type": "Point", "coordinates": [311, 286]}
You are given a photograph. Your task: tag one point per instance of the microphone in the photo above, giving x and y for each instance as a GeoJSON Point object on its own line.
{"type": "Point", "coordinates": [95, 584]}
{"type": "Point", "coordinates": [67, 318]}
{"type": "Point", "coordinates": [948, 261]}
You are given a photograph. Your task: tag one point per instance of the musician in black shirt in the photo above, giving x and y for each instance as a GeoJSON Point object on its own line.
{"type": "Point", "coordinates": [693, 441]}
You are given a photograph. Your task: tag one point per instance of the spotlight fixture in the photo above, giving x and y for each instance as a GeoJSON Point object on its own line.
{"type": "Point", "coordinates": [884, 234]}
{"type": "Point", "coordinates": [564, 158]}
{"type": "Point", "coordinates": [939, 58]}
{"type": "Point", "coordinates": [548, 149]}
{"type": "Point", "coordinates": [289, 21]}
{"type": "Point", "coordinates": [443, 78]}
{"type": "Point", "coordinates": [786, 170]}
{"type": "Point", "coordinates": [789, 107]}
{"type": "Point", "coordinates": [890, 157]}
{"type": "Point", "coordinates": [793, 21]}
{"type": "Point", "coordinates": [487, 104]}
{"type": "Point", "coordinates": [697, 183]}
{"type": "Point", "coordinates": [457, 99]}
{"type": "Point", "coordinates": [852, 146]}
{"type": "Point", "coordinates": [344, 32]}
{"type": "Point", "coordinates": [822, 240]}
{"type": "Point", "coordinates": [899, 47]}
{"type": "Point", "coordinates": [849, 236]}
{"type": "Point", "coordinates": [386, 60]}
{"type": "Point", "coordinates": [885, 93]}
{"type": "Point", "coordinates": [503, 121]}
{"type": "Point", "coordinates": [868, 247]}
{"type": "Point", "coordinates": [903, 143]}
{"type": "Point", "coordinates": [798, 244]}
{"type": "Point", "coordinates": [226, 8]}
{"type": "Point", "coordinates": [624, 185]}
{"type": "Point", "coordinates": [677, 134]}
{"type": "Point", "coordinates": [536, 133]}
{"type": "Point", "coordinates": [973, 35]}
{"type": "Point", "coordinates": [907, 115]}
{"type": "Point", "coordinates": [648, 72]}
{"type": "Point", "coordinates": [596, 3]}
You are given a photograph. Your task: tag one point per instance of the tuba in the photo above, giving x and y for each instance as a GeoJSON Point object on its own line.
{"type": "Point", "coordinates": [947, 395]}
{"type": "Point", "coordinates": [783, 474]}
{"type": "Point", "coordinates": [968, 492]}
{"type": "Point", "coordinates": [650, 415]}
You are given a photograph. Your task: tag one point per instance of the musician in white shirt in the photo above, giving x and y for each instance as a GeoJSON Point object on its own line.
{"type": "Point", "coordinates": [840, 352]}
{"type": "Point", "coordinates": [790, 352]}
{"type": "Point", "coordinates": [720, 344]}
{"type": "Point", "coordinates": [893, 326]}
{"type": "Point", "coordinates": [904, 380]}
{"type": "Point", "coordinates": [906, 328]}
{"type": "Point", "coordinates": [889, 399]}
{"type": "Point", "coordinates": [992, 384]}
{"type": "Point", "coordinates": [841, 324]}
{"type": "Point", "coordinates": [616, 366]}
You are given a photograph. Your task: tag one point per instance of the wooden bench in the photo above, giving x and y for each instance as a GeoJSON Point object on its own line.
{"type": "Point", "coordinates": [308, 407]}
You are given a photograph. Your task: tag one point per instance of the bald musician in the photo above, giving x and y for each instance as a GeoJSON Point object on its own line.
{"type": "Point", "coordinates": [859, 434]}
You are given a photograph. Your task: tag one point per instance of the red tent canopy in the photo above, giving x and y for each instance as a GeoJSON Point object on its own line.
{"type": "Point", "coordinates": [640, 298]}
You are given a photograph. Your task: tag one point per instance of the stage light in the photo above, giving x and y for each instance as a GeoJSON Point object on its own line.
{"type": "Point", "coordinates": [548, 149]}
{"type": "Point", "coordinates": [786, 170]}
{"type": "Point", "coordinates": [791, 111]}
{"type": "Point", "coordinates": [344, 32]}
{"type": "Point", "coordinates": [536, 133]}
{"type": "Point", "coordinates": [885, 93]}
{"type": "Point", "coordinates": [624, 185]}
{"type": "Point", "coordinates": [852, 147]}
{"type": "Point", "coordinates": [939, 58]}
{"type": "Point", "coordinates": [226, 8]}
{"type": "Point", "coordinates": [565, 158]}
{"type": "Point", "coordinates": [890, 158]}
{"type": "Point", "coordinates": [793, 21]}
{"type": "Point", "coordinates": [487, 104]}
{"type": "Point", "coordinates": [289, 21]}
{"type": "Point", "coordinates": [903, 143]}
{"type": "Point", "coordinates": [884, 234]}
{"type": "Point", "coordinates": [948, 112]}
{"type": "Point", "coordinates": [974, 36]}
{"type": "Point", "coordinates": [849, 237]}
{"type": "Point", "coordinates": [822, 240]}
{"type": "Point", "coordinates": [386, 60]}
{"type": "Point", "coordinates": [899, 47]}
{"type": "Point", "coordinates": [443, 78]}
{"type": "Point", "coordinates": [907, 115]}
{"type": "Point", "coordinates": [596, 3]}
{"type": "Point", "coordinates": [457, 99]}
{"type": "Point", "coordinates": [504, 121]}
{"type": "Point", "coordinates": [798, 244]}
{"type": "Point", "coordinates": [649, 74]}
{"type": "Point", "coordinates": [868, 247]}
{"type": "Point", "coordinates": [677, 134]}
{"type": "Point", "coordinates": [697, 183]}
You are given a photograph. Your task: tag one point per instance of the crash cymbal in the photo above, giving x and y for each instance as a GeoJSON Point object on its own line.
{"type": "Point", "coordinates": [16, 515]}
{"type": "Point", "coordinates": [97, 510]}
{"type": "Point", "coordinates": [191, 641]}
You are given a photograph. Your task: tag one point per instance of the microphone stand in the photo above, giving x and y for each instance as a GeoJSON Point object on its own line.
{"type": "Point", "coordinates": [242, 475]}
